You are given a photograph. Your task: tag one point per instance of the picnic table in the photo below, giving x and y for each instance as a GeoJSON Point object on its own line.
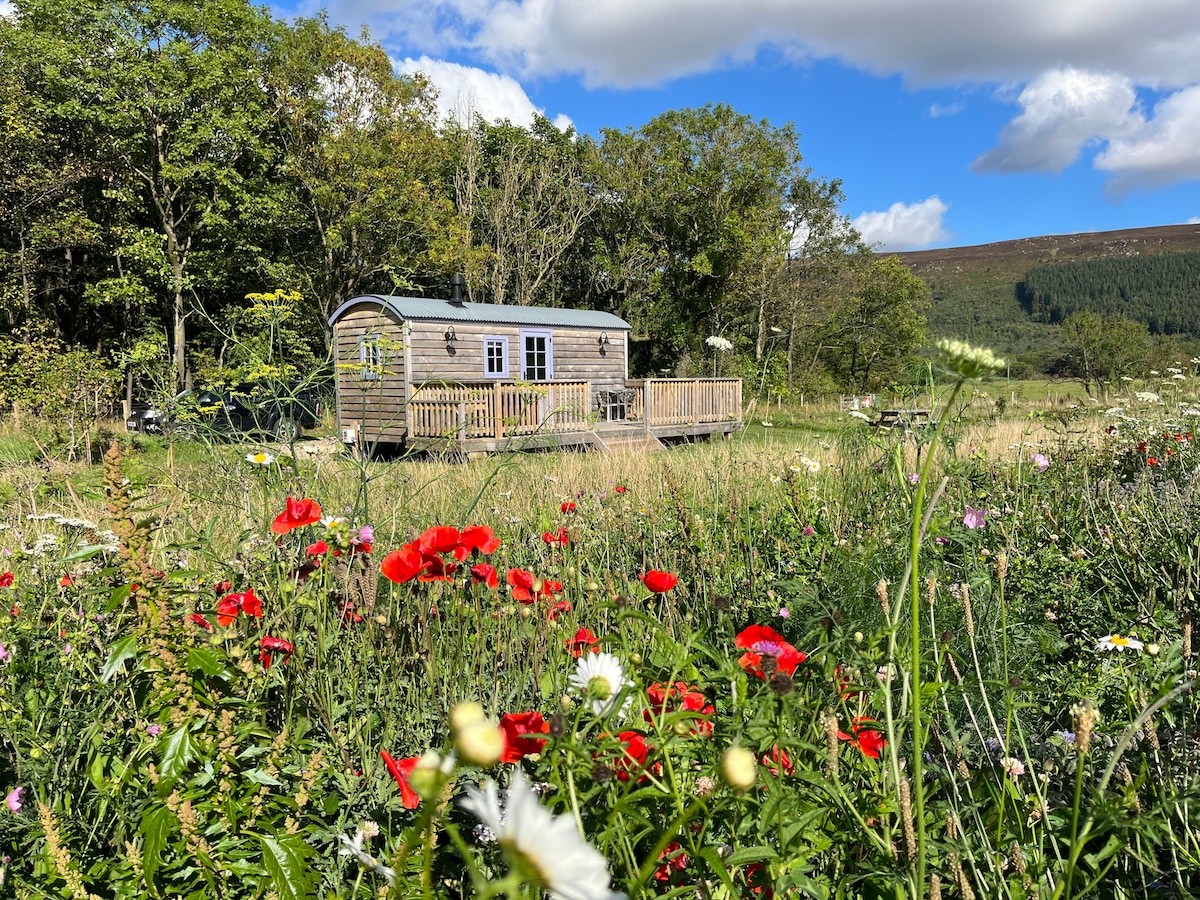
{"type": "Point", "coordinates": [908, 419]}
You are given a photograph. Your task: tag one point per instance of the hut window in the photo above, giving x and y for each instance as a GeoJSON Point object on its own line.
{"type": "Point", "coordinates": [370, 357]}
{"type": "Point", "coordinates": [537, 356]}
{"type": "Point", "coordinates": [495, 356]}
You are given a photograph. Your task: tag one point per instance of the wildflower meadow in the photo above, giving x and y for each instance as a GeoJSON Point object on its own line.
{"type": "Point", "coordinates": [853, 664]}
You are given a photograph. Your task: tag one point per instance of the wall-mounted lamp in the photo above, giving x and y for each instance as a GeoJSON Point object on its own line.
{"type": "Point", "coordinates": [450, 336]}
{"type": "Point", "coordinates": [603, 339]}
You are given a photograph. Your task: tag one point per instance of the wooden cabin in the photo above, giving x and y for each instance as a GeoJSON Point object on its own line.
{"type": "Point", "coordinates": [475, 378]}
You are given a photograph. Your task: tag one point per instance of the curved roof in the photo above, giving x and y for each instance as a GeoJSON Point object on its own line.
{"type": "Point", "coordinates": [429, 309]}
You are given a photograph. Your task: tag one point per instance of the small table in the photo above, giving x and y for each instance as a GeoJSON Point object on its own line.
{"type": "Point", "coordinates": [908, 419]}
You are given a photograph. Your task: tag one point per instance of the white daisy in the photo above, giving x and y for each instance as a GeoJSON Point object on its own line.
{"type": "Point", "coordinates": [1118, 642]}
{"type": "Point", "coordinates": [261, 458]}
{"type": "Point", "coordinates": [599, 678]}
{"type": "Point", "coordinates": [549, 848]}
{"type": "Point", "coordinates": [332, 521]}
{"type": "Point", "coordinates": [354, 847]}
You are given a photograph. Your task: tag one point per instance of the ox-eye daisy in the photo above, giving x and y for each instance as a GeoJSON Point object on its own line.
{"type": "Point", "coordinates": [1119, 643]}
{"type": "Point", "coordinates": [541, 847]}
{"type": "Point", "coordinates": [354, 847]}
{"type": "Point", "coordinates": [261, 458]}
{"type": "Point", "coordinates": [598, 678]}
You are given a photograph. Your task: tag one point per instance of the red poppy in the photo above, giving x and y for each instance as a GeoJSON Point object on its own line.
{"type": "Point", "coordinates": [268, 645]}
{"type": "Point", "coordinates": [349, 613]}
{"type": "Point", "coordinates": [672, 859]}
{"type": "Point", "coordinates": [659, 582]}
{"type": "Point", "coordinates": [869, 741]}
{"type": "Point", "coordinates": [567, 507]}
{"type": "Point", "coordinates": [360, 546]}
{"type": "Point", "coordinates": [297, 514]}
{"type": "Point", "coordinates": [556, 539]}
{"type": "Point", "coordinates": [758, 879]}
{"type": "Point", "coordinates": [762, 640]}
{"type": "Point", "coordinates": [221, 587]}
{"type": "Point", "coordinates": [438, 570]}
{"type": "Point", "coordinates": [669, 698]}
{"type": "Point", "coordinates": [778, 759]}
{"type": "Point", "coordinates": [251, 605]}
{"type": "Point", "coordinates": [227, 610]}
{"type": "Point", "coordinates": [1151, 461]}
{"type": "Point", "coordinates": [583, 640]}
{"type": "Point", "coordinates": [484, 573]}
{"type": "Point", "coordinates": [845, 684]}
{"type": "Point", "coordinates": [526, 588]}
{"type": "Point", "coordinates": [632, 758]}
{"type": "Point", "coordinates": [521, 583]}
{"type": "Point", "coordinates": [7, 579]}
{"type": "Point", "coordinates": [620, 489]}
{"type": "Point", "coordinates": [481, 538]}
{"type": "Point", "coordinates": [562, 606]}
{"type": "Point", "coordinates": [517, 728]}
{"type": "Point", "coordinates": [320, 548]}
{"type": "Point", "coordinates": [402, 566]}
{"type": "Point", "coordinates": [401, 769]}
{"type": "Point", "coordinates": [441, 539]}
{"type": "Point", "coordinates": [66, 581]}
{"type": "Point", "coordinates": [197, 619]}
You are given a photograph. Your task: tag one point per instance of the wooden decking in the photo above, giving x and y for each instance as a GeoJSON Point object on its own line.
{"type": "Point", "coordinates": [479, 418]}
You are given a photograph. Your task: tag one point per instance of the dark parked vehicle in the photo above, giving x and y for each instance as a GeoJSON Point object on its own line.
{"type": "Point", "coordinates": [278, 411]}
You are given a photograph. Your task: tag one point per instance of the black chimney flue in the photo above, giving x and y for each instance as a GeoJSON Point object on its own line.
{"type": "Point", "coordinates": [457, 283]}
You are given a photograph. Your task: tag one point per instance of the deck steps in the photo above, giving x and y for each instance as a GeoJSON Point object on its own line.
{"type": "Point", "coordinates": [626, 441]}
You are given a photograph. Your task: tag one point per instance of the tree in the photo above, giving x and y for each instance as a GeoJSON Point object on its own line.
{"type": "Point", "coordinates": [171, 93]}
{"type": "Point", "coordinates": [1096, 350]}
{"type": "Point", "coordinates": [877, 325]}
{"type": "Point", "coordinates": [372, 209]}
{"type": "Point", "coordinates": [526, 195]}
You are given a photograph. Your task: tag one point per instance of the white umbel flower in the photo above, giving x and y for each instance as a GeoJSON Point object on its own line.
{"type": "Point", "coordinates": [354, 847]}
{"type": "Point", "coordinates": [549, 848]}
{"type": "Point", "coordinates": [719, 343]}
{"type": "Point", "coordinates": [1119, 642]}
{"type": "Point", "coordinates": [599, 678]}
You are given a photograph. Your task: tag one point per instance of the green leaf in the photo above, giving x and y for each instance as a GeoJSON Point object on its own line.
{"type": "Point", "coordinates": [180, 752]}
{"type": "Point", "coordinates": [285, 859]}
{"type": "Point", "coordinates": [205, 660]}
{"type": "Point", "coordinates": [155, 832]}
{"type": "Point", "coordinates": [258, 776]}
{"type": "Point", "coordinates": [85, 552]}
{"type": "Point", "coordinates": [750, 855]}
{"type": "Point", "coordinates": [122, 650]}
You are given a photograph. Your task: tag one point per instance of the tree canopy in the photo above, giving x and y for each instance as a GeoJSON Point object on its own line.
{"type": "Point", "coordinates": [167, 162]}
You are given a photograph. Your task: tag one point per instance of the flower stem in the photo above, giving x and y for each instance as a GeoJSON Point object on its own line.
{"type": "Point", "coordinates": [914, 585]}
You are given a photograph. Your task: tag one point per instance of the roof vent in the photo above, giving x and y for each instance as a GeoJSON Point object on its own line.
{"type": "Point", "coordinates": [457, 283]}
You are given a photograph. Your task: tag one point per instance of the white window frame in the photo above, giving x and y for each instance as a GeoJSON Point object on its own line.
{"type": "Point", "coordinates": [502, 340]}
{"type": "Point", "coordinates": [549, 336]}
{"type": "Point", "coordinates": [370, 358]}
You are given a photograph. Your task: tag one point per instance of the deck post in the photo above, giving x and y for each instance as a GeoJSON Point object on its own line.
{"type": "Point", "coordinates": [647, 401]}
{"type": "Point", "coordinates": [497, 411]}
{"type": "Point", "coordinates": [695, 402]}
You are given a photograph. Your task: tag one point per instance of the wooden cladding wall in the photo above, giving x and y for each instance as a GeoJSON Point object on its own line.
{"type": "Point", "coordinates": [576, 353]}
{"type": "Point", "coordinates": [373, 406]}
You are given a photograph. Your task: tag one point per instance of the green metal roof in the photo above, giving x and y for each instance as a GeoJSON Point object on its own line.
{"type": "Point", "coordinates": [428, 309]}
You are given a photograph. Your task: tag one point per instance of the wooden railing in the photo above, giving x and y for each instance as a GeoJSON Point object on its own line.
{"type": "Point", "coordinates": [690, 401]}
{"type": "Point", "coordinates": [498, 410]}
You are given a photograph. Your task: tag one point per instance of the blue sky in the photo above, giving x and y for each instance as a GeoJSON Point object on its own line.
{"type": "Point", "coordinates": [949, 122]}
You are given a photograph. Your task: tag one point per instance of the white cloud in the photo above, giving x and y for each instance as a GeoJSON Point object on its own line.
{"type": "Point", "coordinates": [1194, 220]}
{"type": "Point", "coordinates": [638, 42]}
{"type": "Point", "coordinates": [904, 226]}
{"type": "Point", "coordinates": [1163, 150]}
{"type": "Point", "coordinates": [465, 90]}
{"type": "Point", "coordinates": [1061, 111]}
{"type": "Point", "coordinates": [6, 10]}
{"type": "Point", "coordinates": [941, 110]}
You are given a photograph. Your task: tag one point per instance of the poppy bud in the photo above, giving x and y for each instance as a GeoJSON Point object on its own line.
{"type": "Point", "coordinates": [477, 740]}
{"type": "Point", "coordinates": [739, 768]}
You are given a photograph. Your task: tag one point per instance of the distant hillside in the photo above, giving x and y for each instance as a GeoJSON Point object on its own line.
{"type": "Point", "coordinates": [976, 292]}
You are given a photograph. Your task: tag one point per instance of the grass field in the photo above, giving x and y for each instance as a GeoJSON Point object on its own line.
{"type": "Point", "coordinates": [815, 660]}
